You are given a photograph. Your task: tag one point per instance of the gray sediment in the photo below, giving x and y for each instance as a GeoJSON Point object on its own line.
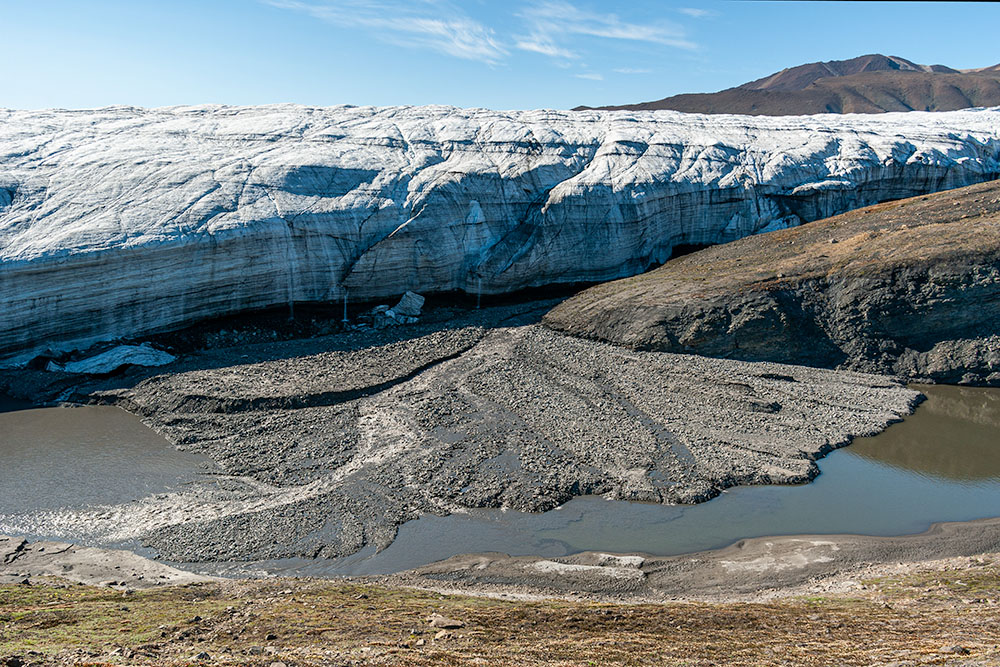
{"type": "Point", "coordinates": [328, 445]}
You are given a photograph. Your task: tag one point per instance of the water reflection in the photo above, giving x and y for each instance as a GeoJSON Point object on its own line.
{"type": "Point", "coordinates": [954, 435]}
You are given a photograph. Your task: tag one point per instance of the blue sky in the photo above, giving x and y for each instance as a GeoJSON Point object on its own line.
{"type": "Point", "coordinates": [501, 55]}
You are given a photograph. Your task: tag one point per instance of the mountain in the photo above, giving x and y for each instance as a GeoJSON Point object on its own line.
{"type": "Point", "coordinates": [123, 221]}
{"type": "Point", "coordinates": [867, 84]}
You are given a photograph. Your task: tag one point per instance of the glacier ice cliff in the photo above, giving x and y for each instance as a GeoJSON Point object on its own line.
{"type": "Point", "coordinates": [123, 221]}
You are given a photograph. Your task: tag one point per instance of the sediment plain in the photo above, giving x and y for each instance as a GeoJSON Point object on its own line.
{"type": "Point", "coordinates": [326, 445]}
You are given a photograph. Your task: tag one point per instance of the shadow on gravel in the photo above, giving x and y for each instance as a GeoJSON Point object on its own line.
{"type": "Point", "coordinates": [283, 333]}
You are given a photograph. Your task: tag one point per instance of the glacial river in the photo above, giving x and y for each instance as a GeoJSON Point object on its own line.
{"type": "Point", "coordinates": [940, 464]}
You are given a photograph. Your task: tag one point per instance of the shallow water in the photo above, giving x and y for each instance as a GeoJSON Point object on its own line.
{"type": "Point", "coordinates": [73, 457]}
{"type": "Point", "coordinates": [940, 464]}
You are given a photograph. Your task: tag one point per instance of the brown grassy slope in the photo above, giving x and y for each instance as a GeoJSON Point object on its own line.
{"type": "Point", "coordinates": [957, 228]}
{"type": "Point", "coordinates": [937, 614]}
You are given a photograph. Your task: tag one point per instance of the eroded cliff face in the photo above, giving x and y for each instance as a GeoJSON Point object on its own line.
{"type": "Point", "coordinates": [123, 221]}
{"type": "Point", "coordinates": [910, 288]}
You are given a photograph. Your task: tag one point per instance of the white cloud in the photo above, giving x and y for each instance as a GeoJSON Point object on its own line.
{"type": "Point", "coordinates": [553, 19]}
{"type": "Point", "coordinates": [633, 70]}
{"type": "Point", "coordinates": [430, 24]}
{"type": "Point", "coordinates": [552, 28]}
{"type": "Point", "coordinates": [593, 76]}
{"type": "Point", "coordinates": [697, 13]}
{"type": "Point", "coordinates": [545, 46]}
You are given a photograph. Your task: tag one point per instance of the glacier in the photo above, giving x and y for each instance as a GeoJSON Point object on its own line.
{"type": "Point", "coordinates": [122, 221]}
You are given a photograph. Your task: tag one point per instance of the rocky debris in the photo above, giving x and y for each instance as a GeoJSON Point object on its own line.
{"type": "Point", "coordinates": [20, 560]}
{"type": "Point", "coordinates": [258, 207]}
{"type": "Point", "coordinates": [407, 311]}
{"type": "Point", "coordinates": [954, 649]}
{"type": "Point", "coordinates": [911, 288]}
{"type": "Point", "coordinates": [111, 360]}
{"type": "Point", "coordinates": [327, 452]}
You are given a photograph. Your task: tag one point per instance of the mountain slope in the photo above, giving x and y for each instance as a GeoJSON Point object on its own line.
{"type": "Point", "coordinates": [867, 84]}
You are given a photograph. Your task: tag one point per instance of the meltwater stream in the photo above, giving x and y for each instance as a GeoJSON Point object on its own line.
{"type": "Point", "coordinates": [940, 464]}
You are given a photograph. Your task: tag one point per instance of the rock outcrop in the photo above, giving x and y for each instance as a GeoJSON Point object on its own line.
{"type": "Point", "coordinates": [123, 221]}
{"type": "Point", "coordinates": [910, 288]}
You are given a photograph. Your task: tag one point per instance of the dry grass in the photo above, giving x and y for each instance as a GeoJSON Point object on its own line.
{"type": "Point", "coordinates": [906, 620]}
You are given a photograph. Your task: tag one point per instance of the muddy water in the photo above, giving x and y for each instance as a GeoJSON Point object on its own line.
{"type": "Point", "coordinates": [940, 464]}
{"type": "Point", "coordinates": [73, 457]}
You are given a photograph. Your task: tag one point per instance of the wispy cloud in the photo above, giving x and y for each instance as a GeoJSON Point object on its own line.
{"type": "Point", "coordinates": [431, 24]}
{"type": "Point", "coordinates": [593, 76]}
{"type": "Point", "coordinates": [697, 13]}
{"type": "Point", "coordinates": [545, 46]}
{"type": "Point", "coordinates": [552, 28]}
{"type": "Point", "coordinates": [555, 19]}
{"type": "Point", "coordinates": [633, 70]}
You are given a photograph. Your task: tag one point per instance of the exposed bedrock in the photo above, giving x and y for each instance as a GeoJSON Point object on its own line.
{"type": "Point", "coordinates": [123, 221]}
{"type": "Point", "coordinates": [910, 288]}
{"type": "Point", "coordinates": [323, 453]}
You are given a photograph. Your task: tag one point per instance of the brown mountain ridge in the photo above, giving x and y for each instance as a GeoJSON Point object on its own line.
{"type": "Point", "coordinates": [867, 84]}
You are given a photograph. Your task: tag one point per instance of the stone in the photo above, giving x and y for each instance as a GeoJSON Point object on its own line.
{"type": "Point", "coordinates": [256, 207]}
{"type": "Point", "coordinates": [439, 621]}
{"type": "Point", "coordinates": [958, 650]}
{"type": "Point", "coordinates": [409, 305]}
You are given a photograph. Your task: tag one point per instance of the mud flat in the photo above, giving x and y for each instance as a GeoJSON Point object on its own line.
{"type": "Point", "coordinates": [24, 562]}
{"type": "Point", "coordinates": [753, 569]}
